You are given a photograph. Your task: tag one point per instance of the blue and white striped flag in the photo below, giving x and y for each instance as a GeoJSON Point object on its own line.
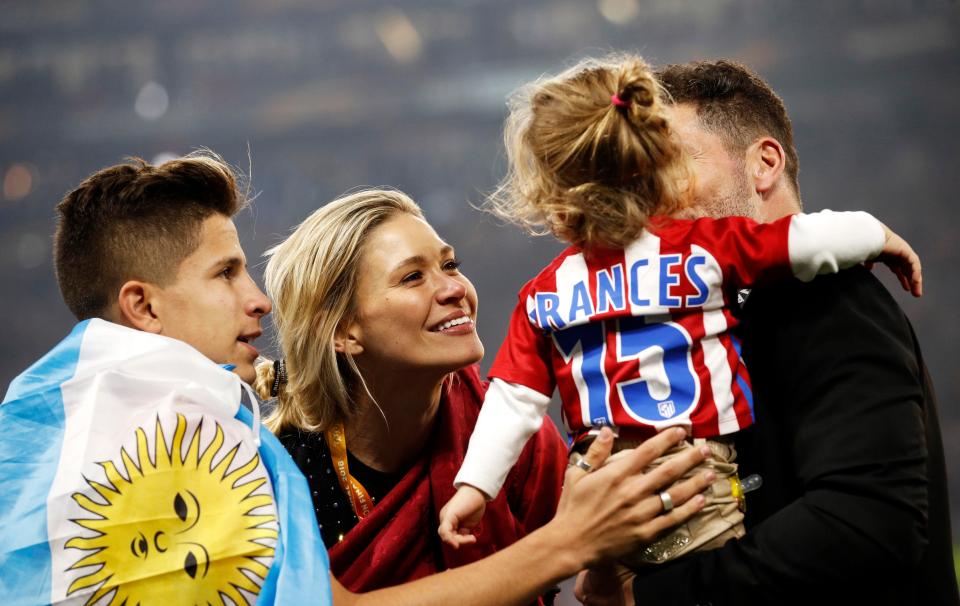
{"type": "Point", "coordinates": [130, 474]}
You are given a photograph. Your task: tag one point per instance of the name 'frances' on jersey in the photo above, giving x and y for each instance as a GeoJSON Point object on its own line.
{"type": "Point", "coordinates": [645, 283]}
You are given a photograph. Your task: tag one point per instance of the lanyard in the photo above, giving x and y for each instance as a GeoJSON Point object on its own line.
{"type": "Point", "coordinates": [360, 501]}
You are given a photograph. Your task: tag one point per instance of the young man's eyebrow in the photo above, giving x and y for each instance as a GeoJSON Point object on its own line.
{"type": "Point", "coordinates": [232, 261]}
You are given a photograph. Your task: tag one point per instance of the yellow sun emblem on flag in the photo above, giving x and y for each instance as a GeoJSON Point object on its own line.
{"type": "Point", "coordinates": [176, 528]}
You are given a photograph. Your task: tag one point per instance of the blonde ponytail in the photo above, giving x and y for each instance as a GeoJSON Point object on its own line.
{"type": "Point", "coordinates": [591, 155]}
{"type": "Point", "coordinates": [263, 384]}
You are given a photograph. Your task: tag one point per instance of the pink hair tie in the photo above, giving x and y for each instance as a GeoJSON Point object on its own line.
{"type": "Point", "coordinates": [618, 102]}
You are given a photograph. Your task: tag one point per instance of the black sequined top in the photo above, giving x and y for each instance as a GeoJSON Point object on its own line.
{"type": "Point", "coordinates": [331, 505]}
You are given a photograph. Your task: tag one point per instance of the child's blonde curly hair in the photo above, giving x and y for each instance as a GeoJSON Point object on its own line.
{"type": "Point", "coordinates": [591, 155]}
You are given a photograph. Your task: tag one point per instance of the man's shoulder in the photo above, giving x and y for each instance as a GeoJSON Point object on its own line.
{"type": "Point", "coordinates": [828, 316]}
{"type": "Point", "coordinates": [854, 288]}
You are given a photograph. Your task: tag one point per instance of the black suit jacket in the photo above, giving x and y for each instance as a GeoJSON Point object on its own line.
{"type": "Point", "coordinates": [853, 508]}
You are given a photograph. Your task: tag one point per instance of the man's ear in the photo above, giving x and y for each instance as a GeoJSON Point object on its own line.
{"type": "Point", "coordinates": [346, 339]}
{"type": "Point", "coordinates": [767, 162]}
{"type": "Point", "coordinates": [136, 306]}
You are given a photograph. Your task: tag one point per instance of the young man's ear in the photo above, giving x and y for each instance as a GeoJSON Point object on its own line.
{"type": "Point", "coordinates": [767, 162]}
{"type": "Point", "coordinates": [136, 306]}
{"type": "Point", "coordinates": [346, 339]}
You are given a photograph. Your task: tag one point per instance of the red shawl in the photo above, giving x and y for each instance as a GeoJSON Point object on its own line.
{"type": "Point", "coordinates": [398, 542]}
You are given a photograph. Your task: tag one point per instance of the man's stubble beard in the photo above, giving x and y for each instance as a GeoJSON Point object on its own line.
{"type": "Point", "coordinates": [734, 201]}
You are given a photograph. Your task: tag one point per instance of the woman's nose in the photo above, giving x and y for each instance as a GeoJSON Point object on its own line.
{"type": "Point", "coordinates": [450, 290]}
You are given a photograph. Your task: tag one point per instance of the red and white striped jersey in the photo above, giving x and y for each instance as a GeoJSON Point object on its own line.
{"type": "Point", "coordinates": [639, 338]}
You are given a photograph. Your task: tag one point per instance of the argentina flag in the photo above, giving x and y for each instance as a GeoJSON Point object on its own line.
{"type": "Point", "coordinates": [130, 474]}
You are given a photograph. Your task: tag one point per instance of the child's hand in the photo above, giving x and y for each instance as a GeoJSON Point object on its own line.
{"type": "Point", "coordinates": [460, 515]}
{"type": "Point", "coordinates": [903, 261]}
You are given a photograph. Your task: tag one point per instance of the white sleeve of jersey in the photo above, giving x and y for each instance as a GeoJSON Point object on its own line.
{"type": "Point", "coordinates": [826, 242]}
{"type": "Point", "coordinates": [511, 413]}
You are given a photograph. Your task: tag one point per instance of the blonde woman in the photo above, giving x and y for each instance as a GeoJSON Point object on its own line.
{"type": "Point", "coordinates": [632, 322]}
{"type": "Point", "coordinates": [378, 391]}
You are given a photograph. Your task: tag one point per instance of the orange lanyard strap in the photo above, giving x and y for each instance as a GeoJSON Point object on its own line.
{"type": "Point", "coordinates": [360, 500]}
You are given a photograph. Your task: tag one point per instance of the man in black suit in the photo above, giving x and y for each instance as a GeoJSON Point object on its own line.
{"type": "Point", "coordinates": [853, 507]}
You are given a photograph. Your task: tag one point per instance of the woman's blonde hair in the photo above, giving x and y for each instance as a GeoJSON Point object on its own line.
{"type": "Point", "coordinates": [591, 155]}
{"type": "Point", "coordinates": [312, 278]}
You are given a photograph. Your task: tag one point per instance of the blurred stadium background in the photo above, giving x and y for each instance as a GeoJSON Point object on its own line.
{"type": "Point", "coordinates": [322, 96]}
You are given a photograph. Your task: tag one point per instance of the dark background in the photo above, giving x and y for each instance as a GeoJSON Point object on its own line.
{"type": "Point", "coordinates": [322, 96]}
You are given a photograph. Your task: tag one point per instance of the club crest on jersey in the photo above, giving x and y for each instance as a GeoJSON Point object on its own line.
{"type": "Point", "coordinates": [666, 409]}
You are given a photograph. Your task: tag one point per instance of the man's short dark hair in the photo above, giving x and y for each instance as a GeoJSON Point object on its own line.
{"type": "Point", "coordinates": [734, 103]}
{"type": "Point", "coordinates": [136, 221]}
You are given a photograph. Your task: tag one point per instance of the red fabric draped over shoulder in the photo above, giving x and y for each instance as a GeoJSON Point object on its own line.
{"type": "Point", "coordinates": [397, 542]}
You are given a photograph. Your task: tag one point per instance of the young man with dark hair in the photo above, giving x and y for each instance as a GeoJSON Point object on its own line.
{"type": "Point", "coordinates": [132, 474]}
{"type": "Point", "coordinates": [853, 507]}
{"type": "Point", "coordinates": [154, 248]}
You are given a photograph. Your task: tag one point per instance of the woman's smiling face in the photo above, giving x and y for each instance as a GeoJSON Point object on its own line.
{"type": "Point", "coordinates": [415, 311]}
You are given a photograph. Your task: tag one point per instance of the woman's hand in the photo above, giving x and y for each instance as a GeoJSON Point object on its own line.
{"type": "Point", "coordinates": [613, 510]}
{"type": "Point", "coordinates": [602, 514]}
{"type": "Point", "coordinates": [460, 515]}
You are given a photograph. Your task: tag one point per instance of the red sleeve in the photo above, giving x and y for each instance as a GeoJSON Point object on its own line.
{"type": "Point", "coordinates": [749, 253]}
{"type": "Point", "coordinates": [524, 357]}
